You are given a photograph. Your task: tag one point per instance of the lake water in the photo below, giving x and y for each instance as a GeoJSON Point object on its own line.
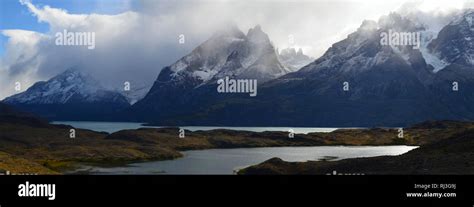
{"type": "Point", "coordinates": [225, 161]}
{"type": "Point", "coordinates": [112, 127]}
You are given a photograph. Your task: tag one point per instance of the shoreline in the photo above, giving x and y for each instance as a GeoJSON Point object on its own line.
{"type": "Point", "coordinates": [86, 167]}
{"type": "Point", "coordinates": [49, 146]}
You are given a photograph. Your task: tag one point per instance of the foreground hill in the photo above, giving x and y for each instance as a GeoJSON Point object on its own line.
{"type": "Point", "coordinates": [453, 155]}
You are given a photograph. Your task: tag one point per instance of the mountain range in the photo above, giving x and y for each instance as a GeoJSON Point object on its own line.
{"type": "Point", "coordinates": [387, 85]}
{"type": "Point", "coordinates": [358, 81]}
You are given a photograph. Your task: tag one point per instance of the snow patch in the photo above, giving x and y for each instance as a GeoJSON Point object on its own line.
{"type": "Point", "coordinates": [179, 66]}
{"type": "Point", "coordinates": [204, 75]}
{"type": "Point", "coordinates": [433, 60]}
{"type": "Point", "coordinates": [404, 56]}
{"type": "Point", "coordinates": [469, 20]}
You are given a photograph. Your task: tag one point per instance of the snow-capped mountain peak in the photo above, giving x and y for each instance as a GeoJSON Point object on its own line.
{"type": "Point", "coordinates": [70, 86]}
{"type": "Point", "coordinates": [207, 59]}
{"type": "Point", "coordinates": [368, 25]}
{"type": "Point", "coordinates": [256, 35]}
{"type": "Point", "coordinates": [229, 52]}
{"type": "Point", "coordinates": [292, 59]}
{"type": "Point", "coordinates": [231, 30]}
{"type": "Point", "coordinates": [440, 46]}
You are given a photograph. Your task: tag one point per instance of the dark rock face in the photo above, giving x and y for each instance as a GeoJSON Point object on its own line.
{"type": "Point", "coordinates": [455, 42]}
{"type": "Point", "coordinates": [455, 45]}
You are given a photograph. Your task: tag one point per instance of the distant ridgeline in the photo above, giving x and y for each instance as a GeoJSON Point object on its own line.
{"type": "Point", "coordinates": [363, 80]}
{"type": "Point", "coordinates": [10, 115]}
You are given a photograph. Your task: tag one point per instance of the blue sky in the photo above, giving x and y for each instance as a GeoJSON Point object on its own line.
{"type": "Point", "coordinates": [13, 15]}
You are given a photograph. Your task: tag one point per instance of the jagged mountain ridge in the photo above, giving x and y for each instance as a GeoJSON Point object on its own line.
{"type": "Point", "coordinates": [294, 60]}
{"type": "Point", "coordinates": [190, 83]}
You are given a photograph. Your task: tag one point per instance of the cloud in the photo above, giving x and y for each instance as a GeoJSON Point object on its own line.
{"type": "Point", "coordinates": [21, 61]}
{"type": "Point", "coordinates": [134, 45]}
{"type": "Point", "coordinates": [127, 49]}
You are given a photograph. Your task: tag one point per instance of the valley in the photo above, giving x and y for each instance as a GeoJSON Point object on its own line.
{"type": "Point", "coordinates": [34, 146]}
